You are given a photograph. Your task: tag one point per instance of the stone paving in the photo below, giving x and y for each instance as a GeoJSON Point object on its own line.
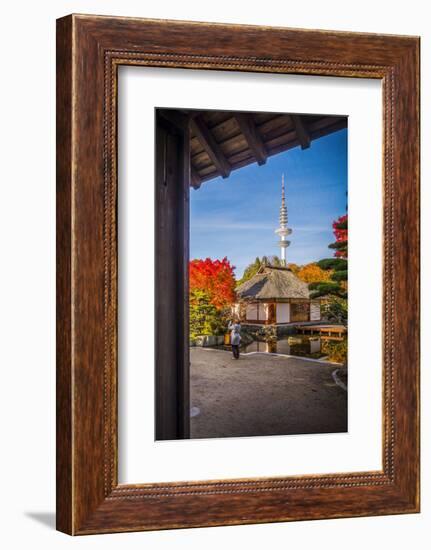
{"type": "Point", "coordinates": [262, 394]}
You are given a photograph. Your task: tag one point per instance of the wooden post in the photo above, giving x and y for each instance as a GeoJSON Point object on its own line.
{"type": "Point", "coordinates": [272, 313]}
{"type": "Point", "coordinates": [171, 281]}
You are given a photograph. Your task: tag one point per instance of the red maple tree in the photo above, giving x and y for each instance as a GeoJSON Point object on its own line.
{"type": "Point", "coordinates": [216, 278]}
{"type": "Point", "coordinates": [341, 235]}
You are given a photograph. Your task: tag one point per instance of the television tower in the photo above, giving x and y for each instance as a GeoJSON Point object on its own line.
{"type": "Point", "coordinates": [283, 231]}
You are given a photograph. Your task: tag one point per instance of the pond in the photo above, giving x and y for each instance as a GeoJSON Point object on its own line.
{"type": "Point", "coordinates": [313, 347]}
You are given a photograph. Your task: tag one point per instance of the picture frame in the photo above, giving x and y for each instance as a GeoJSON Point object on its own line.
{"type": "Point", "coordinates": [89, 498]}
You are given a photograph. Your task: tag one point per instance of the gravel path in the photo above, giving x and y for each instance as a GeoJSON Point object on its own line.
{"type": "Point", "coordinates": [262, 394]}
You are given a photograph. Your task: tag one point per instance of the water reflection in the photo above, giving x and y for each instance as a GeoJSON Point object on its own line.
{"type": "Point", "coordinates": [303, 346]}
{"type": "Point", "coordinates": [314, 347]}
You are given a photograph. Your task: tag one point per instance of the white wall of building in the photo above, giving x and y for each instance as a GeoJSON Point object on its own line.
{"type": "Point", "coordinates": [257, 312]}
{"type": "Point", "coordinates": [315, 311]}
{"type": "Point", "coordinates": [315, 344]}
{"type": "Point", "coordinates": [283, 313]}
{"type": "Point", "coordinates": [251, 312]}
{"type": "Point", "coordinates": [236, 310]}
{"type": "Point", "coordinates": [264, 312]}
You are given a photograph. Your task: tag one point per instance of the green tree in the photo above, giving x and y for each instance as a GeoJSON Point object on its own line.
{"type": "Point", "coordinates": [250, 271]}
{"type": "Point", "coordinates": [337, 283]}
{"type": "Point", "coordinates": [275, 261]}
{"type": "Point", "coordinates": [205, 318]}
{"type": "Point", "coordinates": [335, 310]}
{"type": "Point", "coordinates": [254, 267]}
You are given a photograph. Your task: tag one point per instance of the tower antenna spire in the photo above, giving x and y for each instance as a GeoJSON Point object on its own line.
{"type": "Point", "coordinates": [283, 231]}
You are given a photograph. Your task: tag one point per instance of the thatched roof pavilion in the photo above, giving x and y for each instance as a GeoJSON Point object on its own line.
{"type": "Point", "coordinates": [275, 295]}
{"type": "Point", "coordinates": [273, 283]}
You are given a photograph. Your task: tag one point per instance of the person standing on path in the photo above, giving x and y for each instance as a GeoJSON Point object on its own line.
{"type": "Point", "coordinates": [235, 337]}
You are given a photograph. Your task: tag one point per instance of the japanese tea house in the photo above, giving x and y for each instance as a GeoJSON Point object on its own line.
{"type": "Point", "coordinates": [275, 296]}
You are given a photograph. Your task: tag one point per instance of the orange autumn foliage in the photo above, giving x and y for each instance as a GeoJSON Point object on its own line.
{"type": "Point", "coordinates": [312, 273]}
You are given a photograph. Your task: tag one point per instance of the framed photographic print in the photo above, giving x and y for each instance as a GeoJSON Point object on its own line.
{"type": "Point", "coordinates": [237, 274]}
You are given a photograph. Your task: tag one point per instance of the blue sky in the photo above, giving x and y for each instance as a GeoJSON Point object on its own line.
{"type": "Point", "coordinates": [236, 217]}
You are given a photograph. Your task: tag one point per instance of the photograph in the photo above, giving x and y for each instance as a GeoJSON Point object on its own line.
{"type": "Point", "coordinates": [268, 271]}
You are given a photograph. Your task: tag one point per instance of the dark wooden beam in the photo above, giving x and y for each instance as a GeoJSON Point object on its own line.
{"type": "Point", "coordinates": [339, 125]}
{"type": "Point", "coordinates": [192, 113]}
{"type": "Point", "coordinates": [301, 131]}
{"type": "Point", "coordinates": [255, 143]}
{"type": "Point", "coordinates": [195, 180]}
{"type": "Point", "coordinates": [179, 119]}
{"type": "Point", "coordinates": [327, 122]}
{"type": "Point", "coordinates": [210, 145]}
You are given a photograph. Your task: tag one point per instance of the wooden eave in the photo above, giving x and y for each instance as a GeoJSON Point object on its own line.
{"type": "Point", "coordinates": [223, 141]}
